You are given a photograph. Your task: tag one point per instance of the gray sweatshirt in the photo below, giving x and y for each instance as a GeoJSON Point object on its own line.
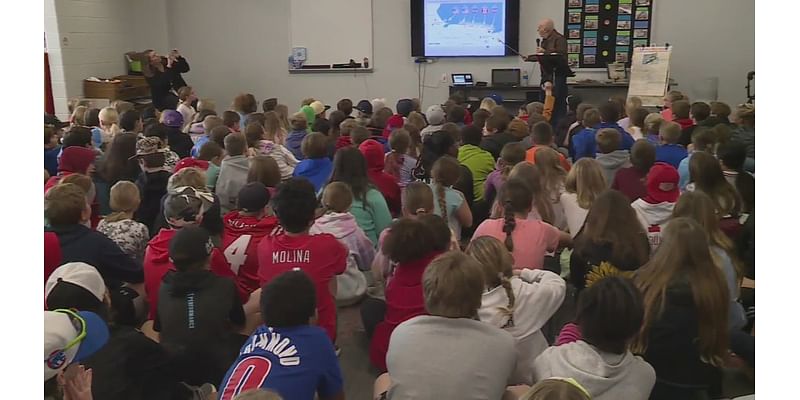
{"type": "Point", "coordinates": [606, 376]}
{"type": "Point", "coordinates": [232, 177]}
{"type": "Point", "coordinates": [612, 162]}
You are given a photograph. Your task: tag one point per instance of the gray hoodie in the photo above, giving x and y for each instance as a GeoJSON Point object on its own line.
{"type": "Point", "coordinates": [232, 177]}
{"type": "Point", "coordinates": [612, 162]}
{"type": "Point", "coordinates": [606, 376]}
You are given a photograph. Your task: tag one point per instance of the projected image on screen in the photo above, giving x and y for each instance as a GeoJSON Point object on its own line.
{"type": "Point", "coordinates": [464, 27]}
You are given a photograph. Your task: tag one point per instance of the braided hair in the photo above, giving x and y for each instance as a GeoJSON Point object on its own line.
{"type": "Point", "coordinates": [497, 270]}
{"type": "Point", "coordinates": [446, 171]}
{"type": "Point", "coordinates": [516, 198]}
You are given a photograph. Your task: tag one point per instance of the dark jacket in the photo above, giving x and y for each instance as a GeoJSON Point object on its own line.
{"type": "Point", "coordinates": [588, 256]}
{"type": "Point", "coordinates": [494, 143]}
{"type": "Point", "coordinates": [81, 244]}
{"type": "Point", "coordinates": [152, 187]}
{"type": "Point", "coordinates": [179, 142]}
{"type": "Point", "coordinates": [671, 342]}
{"type": "Point", "coordinates": [686, 133]}
{"type": "Point", "coordinates": [204, 343]}
{"type": "Point", "coordinates": [161, 83]}
{"type": "Point", "coordinates": [131, 366]}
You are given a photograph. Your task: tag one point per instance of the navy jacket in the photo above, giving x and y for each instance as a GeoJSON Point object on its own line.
{"type": "Point", "coordinates": [82, 244]}
{"type": "Point", "coordinates": [627, 139]}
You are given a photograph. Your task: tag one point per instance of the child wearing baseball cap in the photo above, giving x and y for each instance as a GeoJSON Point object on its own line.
{"type": "Point", "coordinates": [182, 208]}
{"type": "Point", "coordinates": [197, 310]}
{"type": "Point", "coordinates": [179, 142]}
{"type": "Point", "coordinates": [655, 208]}
{"type": "Point", "coordinates": [69, 338]}
{"type": "Point", "coordinates": [152, 183]}
{"type": "Point", "coordinates": [78, 286]}
{"type": "Point", "coordinates": [243, 230]}
{"type": "Point", "coordinates": [321, 256]}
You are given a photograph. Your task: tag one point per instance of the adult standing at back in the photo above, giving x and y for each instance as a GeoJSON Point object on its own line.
{"type": "Point", "coordinates": [163, 75]}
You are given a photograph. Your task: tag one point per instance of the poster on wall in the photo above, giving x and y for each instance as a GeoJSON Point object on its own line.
{"type": "Point", "coordinates": [606, 31]}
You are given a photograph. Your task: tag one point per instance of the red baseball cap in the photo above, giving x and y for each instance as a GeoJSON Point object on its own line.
{"type": "Point", "coordinates": [662, 184]}
{"type": "Point", "coordinates": [189, 162]}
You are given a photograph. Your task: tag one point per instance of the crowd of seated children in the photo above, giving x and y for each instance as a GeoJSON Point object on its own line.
{"type": "Point", "coordinates": [239, 237]}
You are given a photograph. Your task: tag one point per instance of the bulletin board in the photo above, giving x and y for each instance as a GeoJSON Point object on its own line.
{"type": "Point", "coordinates": [604, 31]}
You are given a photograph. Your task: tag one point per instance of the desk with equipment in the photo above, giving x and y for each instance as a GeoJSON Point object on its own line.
{"type": "Point", "coordinates": [507, 84]}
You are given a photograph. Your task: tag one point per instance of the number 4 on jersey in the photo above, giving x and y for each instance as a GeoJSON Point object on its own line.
{"type": "Point", "coordinates": [236, 252]}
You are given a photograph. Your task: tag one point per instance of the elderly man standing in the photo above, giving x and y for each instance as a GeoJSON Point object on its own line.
{"type": "Point", "coordinates": [554, 68]}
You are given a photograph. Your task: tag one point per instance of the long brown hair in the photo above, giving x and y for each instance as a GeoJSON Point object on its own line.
{"type": "Point", "coordinates": [585, 179]}
{"type": "Point", "coordinates": [529, 173]}
{"type": "Point", "coordinates": [552, 173]}
{"type": "Point", "coordinates": [264, 169]}
{"type": "Point", "coordinates": [684, 257]}
{"type": "Point", "coordinates": [516, 198]}
{"type": "Point", "coordinates": [706, 173]}
{"type": "Point", "coordinates": [699, 207]}
{"type": "Point", "coordinates": [446, 171]}
{"type": "Point", "coordinates": [497, 266]}
{"type": "Point", "coordinates": [273, 128]}
{"type": "Point", "coordinates": [612, 221]}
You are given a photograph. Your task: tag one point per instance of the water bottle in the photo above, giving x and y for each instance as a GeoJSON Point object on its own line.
{"type": "Point", "coordinates": [525, 78]}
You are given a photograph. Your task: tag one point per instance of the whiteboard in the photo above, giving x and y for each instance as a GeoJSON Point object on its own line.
{"type": "Point", "coordinates": [332, 31]}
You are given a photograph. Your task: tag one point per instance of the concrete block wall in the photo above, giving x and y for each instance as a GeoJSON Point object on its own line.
{"type": "Point", "coordinates": [90, 37]}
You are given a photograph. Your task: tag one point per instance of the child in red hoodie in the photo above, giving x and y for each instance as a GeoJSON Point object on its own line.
{"type": "Point", "coordinates": [321, 256]}
{"type": "Point", "coordinates": [412, 245]}
{"type": "Point", "coordinates": [243, 230]}
{"type": "Point", "coordinates": [386, 184]}
{"type": "Point", "coordinates": [181, 209]}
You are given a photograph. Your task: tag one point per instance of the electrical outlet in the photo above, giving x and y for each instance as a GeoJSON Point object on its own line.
{"type": "Point", "coordinates": [444, 78]}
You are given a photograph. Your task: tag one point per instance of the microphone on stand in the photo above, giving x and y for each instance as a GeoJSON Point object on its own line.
{"type": "Point", "coordinates": [538, 42]}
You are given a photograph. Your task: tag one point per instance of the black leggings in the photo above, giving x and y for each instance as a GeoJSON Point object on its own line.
{"type": "Point", "coordinates": [372, 312]}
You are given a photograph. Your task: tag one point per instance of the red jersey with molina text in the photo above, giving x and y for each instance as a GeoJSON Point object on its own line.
{"type": "Point", "coordinates": [241, 235]}
{"type": "Point", "coordinates": [320, 256]}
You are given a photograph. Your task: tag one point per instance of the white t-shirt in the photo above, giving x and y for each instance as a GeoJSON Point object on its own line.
{"type": "Point", "coordinates": [573, 212]}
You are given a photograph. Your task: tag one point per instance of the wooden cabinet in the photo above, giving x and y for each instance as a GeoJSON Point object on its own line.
{"type": "Point", "coordinates": [123, 87]}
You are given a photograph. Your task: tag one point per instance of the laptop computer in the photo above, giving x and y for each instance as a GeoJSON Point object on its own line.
{"type": "Point", "coordinates": [506, 77]}
{"type": "Point", "coordinates": [462, 80]}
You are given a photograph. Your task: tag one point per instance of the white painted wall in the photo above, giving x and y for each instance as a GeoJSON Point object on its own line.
{"type": "Point", "coordinates": [242, 45]}
{"type": "Point", "coordinates": [711, 38]}
{"type": "Point", "coordinates": [90, 37]}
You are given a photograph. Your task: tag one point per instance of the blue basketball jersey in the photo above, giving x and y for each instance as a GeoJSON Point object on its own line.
{"type": "Point", "coordinates": [297, 362]}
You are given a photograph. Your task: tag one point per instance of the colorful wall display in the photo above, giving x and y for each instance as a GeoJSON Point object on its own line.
{"type": "Point", "coordinates": [605, 31]}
